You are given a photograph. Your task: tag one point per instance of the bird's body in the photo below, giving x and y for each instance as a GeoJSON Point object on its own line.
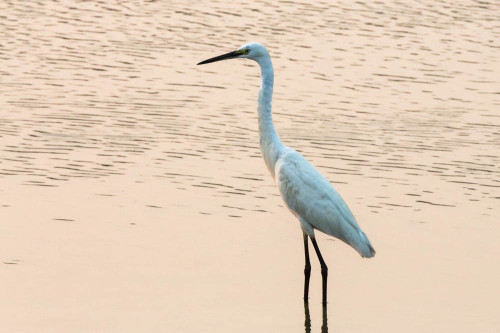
{"type": "Point", "coordinates": [305, 191]}
{"type": "Point", "coordinates": [316, 203]}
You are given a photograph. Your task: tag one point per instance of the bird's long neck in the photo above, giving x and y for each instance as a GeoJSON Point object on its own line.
{"type": "Point", "coordinates": [270, 143]}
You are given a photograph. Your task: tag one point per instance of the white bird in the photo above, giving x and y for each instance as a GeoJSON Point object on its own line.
{"type": "Point", "coordinates": [305, 191]}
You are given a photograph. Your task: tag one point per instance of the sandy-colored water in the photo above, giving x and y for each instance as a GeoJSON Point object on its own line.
{"type": "Point", "coordinates": [133, 197]}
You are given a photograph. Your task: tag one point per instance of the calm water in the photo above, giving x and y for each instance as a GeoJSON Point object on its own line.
{"type": "Point", "coordinates": [400, 101]}
{"type": "Point", "coordinates": [382, 92]}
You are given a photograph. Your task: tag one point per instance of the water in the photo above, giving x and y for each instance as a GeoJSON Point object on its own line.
{"type": "Point", "coordinates": [393, 93]}
{"type": "Point", "coordinates": [396, 103]}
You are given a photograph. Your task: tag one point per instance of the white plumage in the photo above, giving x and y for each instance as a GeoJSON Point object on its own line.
{"type": "Point", "coordinates": [316, 203]}
{"type": "Point", "coordinates": [305, 191]}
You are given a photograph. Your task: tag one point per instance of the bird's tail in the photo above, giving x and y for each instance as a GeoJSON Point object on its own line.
{"type": "Point", "coordinates": [364, 247]}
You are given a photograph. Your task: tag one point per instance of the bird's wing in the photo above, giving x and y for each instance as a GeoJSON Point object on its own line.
{"type": "Point", "coordinates": [311, 197]}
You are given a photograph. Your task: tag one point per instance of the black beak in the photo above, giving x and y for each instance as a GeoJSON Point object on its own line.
{"type": "Point", "coordinates": [229, 55]}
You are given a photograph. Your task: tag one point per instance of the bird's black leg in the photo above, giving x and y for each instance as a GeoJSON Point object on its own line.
{"type": "Point", "coordinates": [324, 269]}
{"type": "Point", "coordinates": [307, 269]}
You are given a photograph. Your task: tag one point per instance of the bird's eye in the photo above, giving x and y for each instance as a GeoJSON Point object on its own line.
{"type": "Point", "coordinates": [247, 51]}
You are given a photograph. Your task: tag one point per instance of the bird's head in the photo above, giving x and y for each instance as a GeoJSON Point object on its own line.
{"type": "Point", "coordinates": [253, 51]}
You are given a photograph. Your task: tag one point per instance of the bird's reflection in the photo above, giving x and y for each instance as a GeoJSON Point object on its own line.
{"type": "Point", "coordinates": [307, 323]}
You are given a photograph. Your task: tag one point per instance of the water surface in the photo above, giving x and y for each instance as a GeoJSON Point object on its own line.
{"type": "Point", "coordinates": [107, 124]}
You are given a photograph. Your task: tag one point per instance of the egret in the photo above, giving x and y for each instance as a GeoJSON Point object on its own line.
{"type": "Point", "coordinates": [306, 192]}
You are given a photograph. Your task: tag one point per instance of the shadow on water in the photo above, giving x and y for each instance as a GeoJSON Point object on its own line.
{"type": "Point", "coordinates": [307, 323]}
